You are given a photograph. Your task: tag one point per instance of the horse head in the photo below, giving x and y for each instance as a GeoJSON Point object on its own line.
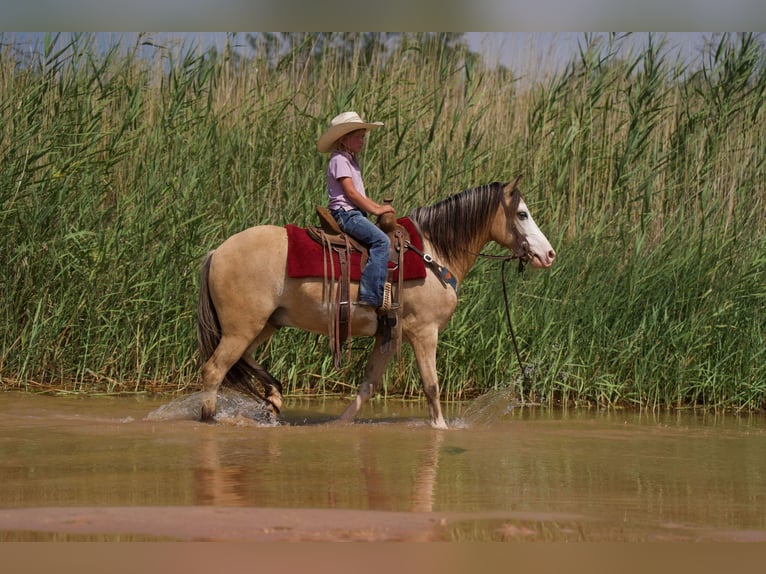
{"type": "Point", "coordinates": [515, 229]}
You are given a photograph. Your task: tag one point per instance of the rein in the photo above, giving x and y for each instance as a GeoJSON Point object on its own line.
{"type": "Point", "coordinates": [505, 259]}
{"type": "Point", "coordinates": [508, 318]}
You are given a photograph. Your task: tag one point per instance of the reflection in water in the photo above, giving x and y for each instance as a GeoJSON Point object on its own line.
{"type": "Point", "coordinates": [222, 477]}
{"type": "Point", "coordinates": [216, 484]}
{"type": "Point", "coordinates": [613, 475]}
{"type": "Point", "coordinates": [422, 499]}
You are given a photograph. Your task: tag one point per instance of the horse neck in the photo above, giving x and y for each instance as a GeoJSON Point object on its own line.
{"type": "Point", "coordinates": [460, 263]}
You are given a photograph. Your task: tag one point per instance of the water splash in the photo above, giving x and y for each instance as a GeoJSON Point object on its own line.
{"type": "Point", "coordinates": [498, 403]}
{"type": "Point", "coordinates": [491, 407]}
{"type": "Point", "coordinates": [233, 408]}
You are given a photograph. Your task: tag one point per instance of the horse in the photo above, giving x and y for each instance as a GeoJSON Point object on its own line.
{"type": "Point", "coordinates": [246, 295]}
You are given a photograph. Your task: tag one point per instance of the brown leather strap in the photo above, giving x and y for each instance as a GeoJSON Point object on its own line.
{"type": "Point", "coordinates": [343, 313]}
{"type": "Point", "coordinates": [333, 240]}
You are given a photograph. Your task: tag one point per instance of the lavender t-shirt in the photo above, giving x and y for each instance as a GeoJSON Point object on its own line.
{"type": "Point", "coordinates": [342, 165]}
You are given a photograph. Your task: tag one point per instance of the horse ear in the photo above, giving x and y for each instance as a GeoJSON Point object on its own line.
{"type": "Point", "coordinates": [513, 186]}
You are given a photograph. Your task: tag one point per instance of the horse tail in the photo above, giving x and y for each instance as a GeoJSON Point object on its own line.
{"type": "Point", "coordinates": [208, 327]}
{"type": "Point", "coordinates": [242, 374]}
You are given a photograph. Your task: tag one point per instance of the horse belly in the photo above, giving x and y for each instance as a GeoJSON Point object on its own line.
{"type": "Point", "coordinates": [305, 305]}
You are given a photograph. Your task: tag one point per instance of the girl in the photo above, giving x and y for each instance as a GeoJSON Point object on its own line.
{"type": "Point", "coordinates": [350, 205]}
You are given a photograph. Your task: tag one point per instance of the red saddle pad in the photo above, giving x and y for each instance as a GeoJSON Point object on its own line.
{"type": "Point", "coordinates": [306, 257]}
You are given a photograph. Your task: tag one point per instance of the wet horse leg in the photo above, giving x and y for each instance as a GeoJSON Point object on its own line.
{"type": "Point", "coordinates": [373, 374]}
{"type": "Point", "coordinates": [227, 353]}
{"type": "Point", "coordinates": [424, 345]}
{"type": "Point", "coordinates": [272, 391]}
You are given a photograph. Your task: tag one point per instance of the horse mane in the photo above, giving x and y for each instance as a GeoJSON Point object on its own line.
{"type": "Point", "coordinates": [454, 222]}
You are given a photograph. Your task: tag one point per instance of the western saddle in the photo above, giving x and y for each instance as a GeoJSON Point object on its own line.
{"type": "Point", "coordinates": [333, 239]}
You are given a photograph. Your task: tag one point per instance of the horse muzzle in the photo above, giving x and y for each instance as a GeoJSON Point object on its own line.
{"type": "Point", "coordinates": [541, 258]}
{"type": "Point", "coordinates": [543, 261]}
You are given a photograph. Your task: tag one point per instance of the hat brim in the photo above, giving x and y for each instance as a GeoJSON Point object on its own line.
{"type": "Point", "coordinates": [327, 140]}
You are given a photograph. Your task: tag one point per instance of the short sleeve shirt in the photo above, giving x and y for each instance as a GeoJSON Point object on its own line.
{"type": "Point", "coordinates": [342, 165]}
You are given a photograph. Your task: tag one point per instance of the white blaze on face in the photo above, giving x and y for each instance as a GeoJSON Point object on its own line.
{"type": "Point", "coordinates": [539, 249]}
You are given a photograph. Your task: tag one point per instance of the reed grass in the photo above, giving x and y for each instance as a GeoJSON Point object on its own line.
{"type": "Point", "coordinates": [123, 165]}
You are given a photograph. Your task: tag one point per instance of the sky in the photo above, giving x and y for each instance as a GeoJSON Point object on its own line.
{"type": "Point", "coordinates": [478, 15]}
{"type": "Point", "coordinates": [528, 54]}
{"type": "Point", "coordinates": [521, 51]}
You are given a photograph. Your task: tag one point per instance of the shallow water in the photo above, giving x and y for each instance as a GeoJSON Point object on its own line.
{"type": "Point", "coordinates": [96, 468]}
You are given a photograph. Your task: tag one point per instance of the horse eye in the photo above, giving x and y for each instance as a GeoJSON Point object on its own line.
{"type": "Point", "coordinates": [522, 215]}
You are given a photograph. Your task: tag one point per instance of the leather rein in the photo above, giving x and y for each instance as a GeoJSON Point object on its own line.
{"type": "Point", "coordinates": [523, 259]}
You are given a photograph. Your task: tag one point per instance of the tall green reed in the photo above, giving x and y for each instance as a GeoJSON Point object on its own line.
{"type": "Point", "coordinates": [123, 166]}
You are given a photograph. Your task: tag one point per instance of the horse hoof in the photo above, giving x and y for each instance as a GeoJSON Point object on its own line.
{"type": "Point", "coordinates": [207, 414]}
{"type": "Point", "coordinates": [273, 408]}
{"type": "Point", "coordinates": [275, 402]}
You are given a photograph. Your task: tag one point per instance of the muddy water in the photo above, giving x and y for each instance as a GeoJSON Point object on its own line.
{"type": "Point", "coordinates": [97, 469]}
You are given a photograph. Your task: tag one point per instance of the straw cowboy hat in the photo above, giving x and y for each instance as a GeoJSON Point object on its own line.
{"type": "Point", "coordinates": [341, 125]}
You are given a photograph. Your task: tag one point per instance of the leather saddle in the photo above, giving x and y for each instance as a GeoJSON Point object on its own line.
{"type": "Point", "coordinates": [332, 238]}
{"type": "Point", "coordinates": [329, 232]}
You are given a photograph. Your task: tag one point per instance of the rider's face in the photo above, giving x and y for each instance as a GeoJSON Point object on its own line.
{"type": "Point", "coordinates": [354, 140]}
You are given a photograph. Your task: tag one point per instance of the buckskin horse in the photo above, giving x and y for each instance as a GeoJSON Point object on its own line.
{"type": "Point", "coordinates": [246, 294]}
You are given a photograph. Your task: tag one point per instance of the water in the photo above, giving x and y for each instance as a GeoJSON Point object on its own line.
{"type": "Point", "coordinates": [100, 469]}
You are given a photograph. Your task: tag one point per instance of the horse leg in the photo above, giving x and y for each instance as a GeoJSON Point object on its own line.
{"type": "Point", "coordinates": [373, 374]}
{"type": "Point", "coordinates": [228, 352]}
{"type": "Point", "coordinates": [272, 392]}
{"type": "Point", "coordinates": [424, 346]}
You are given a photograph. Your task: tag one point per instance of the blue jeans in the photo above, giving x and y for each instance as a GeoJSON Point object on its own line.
{"type": "Point", "coordinates": [355, 223]}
